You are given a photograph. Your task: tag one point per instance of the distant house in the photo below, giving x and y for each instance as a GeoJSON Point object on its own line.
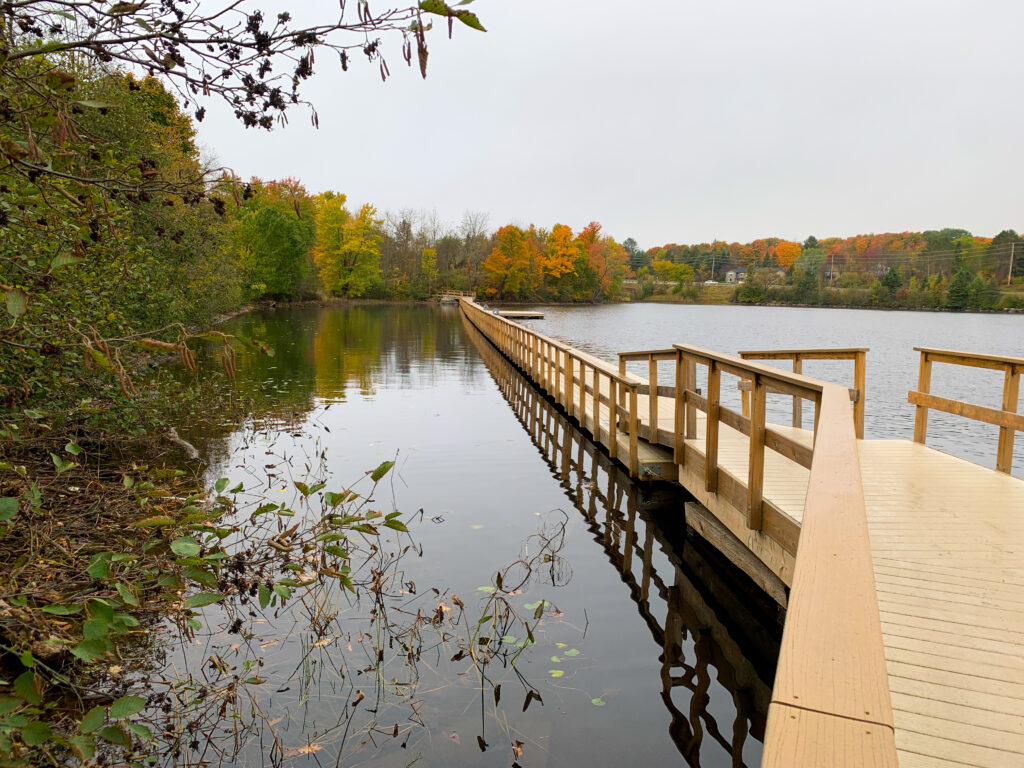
{"type": "Point", "coordinates": [736, 276]}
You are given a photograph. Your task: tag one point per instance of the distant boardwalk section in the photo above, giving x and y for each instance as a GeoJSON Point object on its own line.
{"type": "Point", "coordinates": [901, 567]}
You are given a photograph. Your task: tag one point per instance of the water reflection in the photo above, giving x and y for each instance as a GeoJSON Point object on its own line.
{"type": "Point", "coordinates": [710, 623]}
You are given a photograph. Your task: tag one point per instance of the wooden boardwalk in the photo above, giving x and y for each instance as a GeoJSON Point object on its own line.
{"type": "Point", "coordinates": [904, 640]}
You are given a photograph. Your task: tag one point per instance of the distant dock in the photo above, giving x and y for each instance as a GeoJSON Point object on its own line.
{"type": "Point", "coordinates": [515, 314]}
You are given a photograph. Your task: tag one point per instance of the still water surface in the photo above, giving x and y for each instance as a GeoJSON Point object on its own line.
{"type": "Point", "coordinates": [648, 647]}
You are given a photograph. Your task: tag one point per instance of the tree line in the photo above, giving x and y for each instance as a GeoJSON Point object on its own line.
{"type": "Point", "coordinates": [947, 268]}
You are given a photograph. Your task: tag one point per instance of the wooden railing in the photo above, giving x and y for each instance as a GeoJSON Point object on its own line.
{"type": "Point", "coordinates": [688, 401]}
{"type": "Point", "coordinates": [569, 376]}
{"type": "Point", "coordinates": [857, 393]}
{"type": "Point", "coordinates": [830, 704]}
{"type": "Point", "coordinates": [651, 388]}
{"type": "Point", "coordinates": [1007, 418]}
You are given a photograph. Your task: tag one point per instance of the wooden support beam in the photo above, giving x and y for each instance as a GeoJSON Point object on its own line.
{"type": "Point", "coordinates": [924, 384]}
{"type": "Point", "coordinates": [711, 441]}
{"type": "Point", "coordinates": [755, 481]}
{"type": "Point", "coordinates": [798, 402]}
{"type": "Point", "coordinates": [1011, 400]}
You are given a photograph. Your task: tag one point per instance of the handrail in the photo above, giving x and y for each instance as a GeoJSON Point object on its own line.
{"type": "Point", "coordinates": [563, 373]}
{"type": "Point", "coordinates": [1006, 418]}
{"type": "Point", "coordinates": [754, 425]}
{"type": "Point", "coordinates": [830, 701]}
{"type": "Point", "coordinates": [858, 393]}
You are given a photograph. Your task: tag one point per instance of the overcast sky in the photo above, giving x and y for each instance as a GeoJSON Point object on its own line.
{"type": "Point", "coordinates": [678, 121]}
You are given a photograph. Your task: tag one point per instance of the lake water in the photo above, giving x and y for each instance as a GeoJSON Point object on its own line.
{"type": "Point", "coordinates": [647, 646]}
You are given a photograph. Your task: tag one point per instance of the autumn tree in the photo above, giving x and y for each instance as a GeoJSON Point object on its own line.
{"type": "Point", "coordinates": [508, 268]}
{"type": "Point", "coordinates": [347, 250]}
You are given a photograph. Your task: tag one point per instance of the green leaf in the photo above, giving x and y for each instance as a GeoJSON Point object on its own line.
{"type": "Point", "coordinates": [99, 568]}
{"type": "Point", "coordinates": [381, 470]}
{"type": "Point", "coordinates": [470, 20]}
{"type": "Point", "coordinates": [126, 594]}
{"type": "Point", "coordinates": [253, 344]}
{"type": "Point", "coordinates": [17, 302]}
{"type": "Point", "coordinates": [25, 685]}
{"type": "Point", "coordinates": [154, 521]}
{"type": "Point", "coordinates": [65, 260]}
{"type": "Point", "coordinates": [87, 650]}
{"type": "Point", "coordinates": [303, 488]}
{"type": "Point", "coordinates": [8, 704]}
{"type": "Point", "coordinates": [397, 525]}
{"type": "Point", "coordinates": [8, 508]}
{"type": "Point", "coordinates": [93, 719]}
{"type": "Point", "coordinates": [35, 733]}
{"type": "Point", "coordinates": [185, 547]}
{"type": "Point", "coordinates": [61, 465]}
{"type": "Point", "coordinates": [556, 672]}
{"type": "Point", "coordinates": [264, 595]}
{"type": "Point", "coordinates": [283, 591]}
{"type": "Point", "coordinates": [221, 484]}
{"type": "Point", "coordinates": [73, 448]}
{"type": "Point", "coordinates": [95, 629]}
{"type": "Point", "coordinates": [83, 746]}
{"type": "Point", "coordinates": [200, 576]}
{"type": "Point", "coordinates": [115, 735]}
{"type": "Point", "coordinates": [572, 652]}
{"type": "Point", "coordinates": [91, 104]}
{"type": "Point", "coordinates": [126, 706]}
{"type": "Point", "coordinates": [101, 609]}
{"type": "Point", "coordinates": [598, 702]}
{"type": "Point", "coordinates": [203, 598]}
{"type": "Point", "coordinates": [141, 731]}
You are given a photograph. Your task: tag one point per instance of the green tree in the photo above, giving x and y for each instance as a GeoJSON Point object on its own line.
{"type": "Point", "coordinates": [891, 280]}
{"type": "Point", "coordinates": [273, 237]}
{"type": "Point", "coordinates": [347, 248]}
{"type": "Point", "coordinates": [958, 295]}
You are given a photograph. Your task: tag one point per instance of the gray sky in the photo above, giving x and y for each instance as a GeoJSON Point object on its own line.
{"type": "Point", "coordinates": [678, 121]}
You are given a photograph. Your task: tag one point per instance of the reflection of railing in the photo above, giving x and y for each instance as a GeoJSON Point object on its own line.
{"type": "Point", "coordinates": [696, 644]}
{"type": "Point", "coordinates": [798, 356]}
{"type": "Point", "coordinates": [1007, 419]}
{"type": "Point", "coordinates": [590, 390]}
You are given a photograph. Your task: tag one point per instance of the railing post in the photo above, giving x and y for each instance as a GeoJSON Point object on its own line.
{"type": "Point", "coordinates": [755, 479]}
{"type": "Point", "coordinates": [652, 400]}
{"type": "Point", "coordinates": [569, 383]}
{"type": "Point", "coordinates": [860, 383]}
{"type": "Point", "coordinates": [711, 431]}
{"type": "Point", "coordinates": [613, 416]}
{"type": "Point", "coordinates": [596, 396]}
{"type": "Point", "coordinates": [679, 446]}
{"type": "Point", "coordinates": [634, 429]}
{"type": "Point", "coordinates": [691, 410]}
{"type": "Point", "coordinates": [1011, 399]}
{"type": "Point", "coordinates": [798, 403]}
{"type": "Point", "coordinates": [924, 381]}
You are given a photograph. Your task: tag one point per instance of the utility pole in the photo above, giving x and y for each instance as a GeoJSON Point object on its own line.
{"type": "Point", "coordinates": [713, 255]}
{"type": "Point", "coordinates": [1009, 272]}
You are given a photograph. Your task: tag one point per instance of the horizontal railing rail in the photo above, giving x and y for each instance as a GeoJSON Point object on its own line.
{"type": "Point", "coordinates": [1007, 418]}
{"type": "Point", "coordinates": [858, 392]}
{"type": "Point", "coordinates": [569, 376]}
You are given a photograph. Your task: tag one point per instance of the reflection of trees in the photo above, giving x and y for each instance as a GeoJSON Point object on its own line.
{"type": "Point", "coordinates": [323, 352]}
{"type": "Point", "coordinates": [709, 621]}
